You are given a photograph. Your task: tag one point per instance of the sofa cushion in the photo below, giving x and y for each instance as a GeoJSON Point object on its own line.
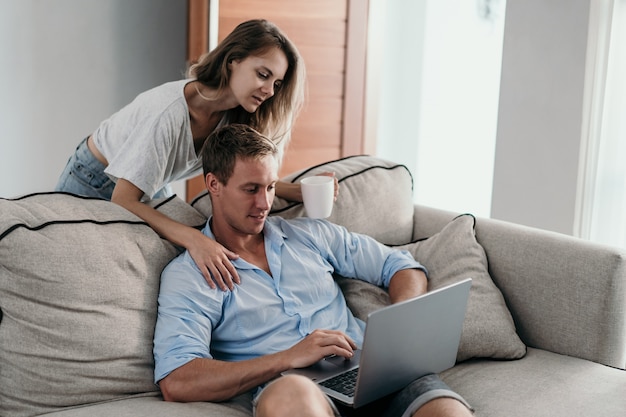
{"type": "Point", "coordinates": [154, 406]}
{"type": "Point", "coordinates": [543, 384]}
{"type": "Point", "coordinates": [375, 198]}
{"type": "Point", "coordinates": [79, 280]}
{"type": "Point", "coordinates": [450, 256]}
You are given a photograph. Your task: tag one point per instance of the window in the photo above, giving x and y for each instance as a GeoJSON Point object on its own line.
{"type": "Point", "coordinates": [603, 203]}
{"type": "Point", "coordinates": [437, 68]}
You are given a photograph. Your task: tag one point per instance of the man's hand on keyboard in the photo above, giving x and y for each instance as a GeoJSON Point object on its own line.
{"type": "Point", "coordinates": [317, 345]}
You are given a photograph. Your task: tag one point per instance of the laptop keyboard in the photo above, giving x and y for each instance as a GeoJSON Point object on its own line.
{"type": "Point", "coordinates": [343, 383]}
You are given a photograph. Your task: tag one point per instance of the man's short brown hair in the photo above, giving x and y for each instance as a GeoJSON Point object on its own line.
{"type": "Point", "coordinates": [226, 144]}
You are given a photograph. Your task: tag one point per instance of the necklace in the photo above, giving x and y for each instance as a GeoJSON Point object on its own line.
{"type": "Point", "coordinates": [202, 95]}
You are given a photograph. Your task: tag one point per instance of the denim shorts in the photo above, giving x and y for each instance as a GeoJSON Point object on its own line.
{"type": "Point", "coordinates": [84, 175]}
{"type": "Point", "coordinates": [401, 404]}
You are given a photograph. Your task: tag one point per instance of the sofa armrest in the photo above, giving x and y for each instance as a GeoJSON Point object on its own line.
{"type": "Point", "coordinates": [566, 295]}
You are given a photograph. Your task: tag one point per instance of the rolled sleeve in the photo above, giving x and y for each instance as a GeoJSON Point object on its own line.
{"type": "Point", "coordinates": [187, 311]}
{"type": "Point", "coordinates": [398, 260]}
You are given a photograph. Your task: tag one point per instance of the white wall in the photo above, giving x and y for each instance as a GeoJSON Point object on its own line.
{"type": "Point", "coordinates": [68, 64]}
{"type": "Point", "coordinates": [541, 113]}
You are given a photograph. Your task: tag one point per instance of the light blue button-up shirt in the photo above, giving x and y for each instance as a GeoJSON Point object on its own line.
{"type": "Point", "coordinates": [267, 314]}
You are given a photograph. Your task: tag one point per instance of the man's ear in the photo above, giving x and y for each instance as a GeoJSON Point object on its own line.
{"type": "Point", "coordinates": [213, 185]}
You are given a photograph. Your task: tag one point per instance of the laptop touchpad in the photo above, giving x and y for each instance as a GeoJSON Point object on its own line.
{"type": "Point", "coordinates": [342, 362]}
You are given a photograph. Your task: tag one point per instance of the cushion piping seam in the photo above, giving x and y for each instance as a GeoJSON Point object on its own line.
{"type": "Point", "coordinates": [292, 205]}
{"type": "Point", "coordinates": [54, 222]}
{"type": "Point", "coordinates": [309, 169]}
{"type": "Point", "coordinates": [52, 193]}
{"type": "Point", "coordinates": [162, 203]}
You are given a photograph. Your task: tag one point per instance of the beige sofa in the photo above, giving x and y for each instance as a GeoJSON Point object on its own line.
{"type": "Point", "coordinates": [544, 335]}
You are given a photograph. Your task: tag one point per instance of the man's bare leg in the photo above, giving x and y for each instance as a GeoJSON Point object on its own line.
{"type": "Point", "coordinates": [443, 407]}
{"type": "Point", "coordinates": [293, 395]}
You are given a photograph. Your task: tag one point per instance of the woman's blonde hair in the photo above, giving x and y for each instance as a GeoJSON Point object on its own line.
{"type": "Point", "coordinates": [276, 116]}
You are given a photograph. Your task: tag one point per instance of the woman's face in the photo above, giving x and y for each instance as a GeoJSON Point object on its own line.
{"type": "Point", "coordinates": [256, 78]}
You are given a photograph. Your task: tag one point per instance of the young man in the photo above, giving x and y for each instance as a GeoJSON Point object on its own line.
{"type": "Point", "coordinates": [287, 312]}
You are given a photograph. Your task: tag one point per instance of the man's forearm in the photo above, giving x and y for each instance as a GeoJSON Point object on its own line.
{"type": "Point", "coordinates": [214, 380]}
{"type": "Point", "coordinates": [406, 284]}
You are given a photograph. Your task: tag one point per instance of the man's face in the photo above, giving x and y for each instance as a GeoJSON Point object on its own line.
{"type": "Point", "coordinates": [245, 201]}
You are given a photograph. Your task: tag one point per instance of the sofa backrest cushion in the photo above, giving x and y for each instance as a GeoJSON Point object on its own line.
{"type": "Point", "coordinates": [79, 281]}
{"type": "Point", "coordinates": [375, 198]}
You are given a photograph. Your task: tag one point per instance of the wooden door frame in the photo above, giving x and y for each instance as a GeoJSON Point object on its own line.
{"type": "Point", "coordinates": [353, 139]}
{"type": "Point", "coordinates": [198, 30]}
{"type": "Point", "coordinates": [198, 17]}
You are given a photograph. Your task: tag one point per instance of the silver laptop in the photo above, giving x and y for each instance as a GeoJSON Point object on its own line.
{"type": "Point", "coordinates": [402, 342]}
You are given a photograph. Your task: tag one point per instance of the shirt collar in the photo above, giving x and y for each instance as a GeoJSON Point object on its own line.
{"type": "Point", "coordinates": [272, 233]}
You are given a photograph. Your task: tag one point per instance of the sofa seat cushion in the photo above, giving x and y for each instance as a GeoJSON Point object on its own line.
{"type": "Point", "coordinates": [154, 406]}
{"type": "Point", "coordinates": [542, 384]}
{"type": "Point", "coordinates": [79, 280]}
{"type": "Point", "coordinates": [375, 198]}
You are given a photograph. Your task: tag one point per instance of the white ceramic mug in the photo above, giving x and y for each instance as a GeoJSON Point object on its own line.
{"type": "Point", "coordinates": [318, 194]}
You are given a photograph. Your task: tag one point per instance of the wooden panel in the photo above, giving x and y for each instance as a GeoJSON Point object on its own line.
{"type": "Point", "coordinates": [308, 137]}
{"type": "Point", "coordinates": [325, 84]}
{"type": "Point", "coordinates": [321, 32]}
{"type": "Point", "coordinates": [195, 186]}
{"type": "Point", "coordinates": [272, 9]}
{"type": "Point", "coordinates": [323, 59]}
{"type": "Point", "coordinates": [297, 161]}
{"type": "Point", "coordinates": [322, 110]}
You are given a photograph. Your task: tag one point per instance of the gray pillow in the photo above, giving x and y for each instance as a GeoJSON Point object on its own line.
{"type": "Point", "coordinates": [79, 281]}
{"type": "Point", "coordinates": [450, 256]}
{"type": "Point", "coordinates": [375, 198]}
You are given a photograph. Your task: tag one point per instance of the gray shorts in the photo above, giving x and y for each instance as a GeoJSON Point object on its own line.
{"type": "Point", "coordinates": [401, 404]}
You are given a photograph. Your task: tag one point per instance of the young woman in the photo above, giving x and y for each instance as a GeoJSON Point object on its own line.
{"type": "Point", "coordinates": [254, 76]}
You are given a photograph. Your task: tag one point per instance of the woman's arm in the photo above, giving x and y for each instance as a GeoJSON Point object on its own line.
{"type": "Point", "coordinates": [293, 191]}
{"type": "Point", "coordinates": [289, 191]}
{"type": "Point", "coordinates": [212, 259]}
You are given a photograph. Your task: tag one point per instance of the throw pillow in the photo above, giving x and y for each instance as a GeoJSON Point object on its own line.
{"type": "Point", "coordinates": [450, 256]}
{"type": "Point", "coordinates": [375, 198]}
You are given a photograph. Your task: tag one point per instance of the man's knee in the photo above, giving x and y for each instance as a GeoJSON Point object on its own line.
{"type": "Point", "coordinates": [443, 406]}
{"type": "Point", "coordinates": [293, 395]}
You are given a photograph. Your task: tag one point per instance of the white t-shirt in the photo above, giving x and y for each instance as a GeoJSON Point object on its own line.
{"type": "Point", "coordinates": [149, 141]}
